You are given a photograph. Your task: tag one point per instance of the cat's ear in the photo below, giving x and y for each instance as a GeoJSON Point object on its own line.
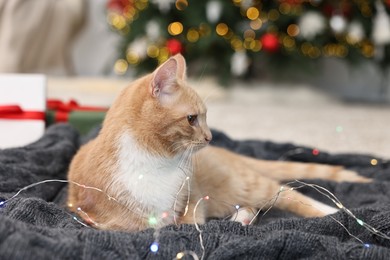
{"type": "Point", "coordinates": [181, 66]}
{"type": "Point", "coordinates": [165, 76]}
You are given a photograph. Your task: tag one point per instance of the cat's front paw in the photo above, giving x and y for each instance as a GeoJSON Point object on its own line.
{"type": "Point", "coordinates": [244, 216]}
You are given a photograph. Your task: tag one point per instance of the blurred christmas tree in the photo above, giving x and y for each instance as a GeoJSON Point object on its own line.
{"type": "Point", "coordinates": [226, 37]}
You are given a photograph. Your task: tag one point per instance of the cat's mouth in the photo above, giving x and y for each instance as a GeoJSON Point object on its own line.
{"type": "Point", "coordinates": [197, 145]}
{"type": "Point", "coordinates": [188, 147]}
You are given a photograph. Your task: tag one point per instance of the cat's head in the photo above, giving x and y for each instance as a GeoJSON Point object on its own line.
{"type": "Point", "coordinates": [168, 117]}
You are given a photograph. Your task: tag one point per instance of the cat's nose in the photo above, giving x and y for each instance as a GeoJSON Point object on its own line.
{"type": "Point", "coordinates": [208, 137]}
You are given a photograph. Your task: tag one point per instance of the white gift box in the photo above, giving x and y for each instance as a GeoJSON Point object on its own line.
{"type": "Point", "coordinates": [22, 108]}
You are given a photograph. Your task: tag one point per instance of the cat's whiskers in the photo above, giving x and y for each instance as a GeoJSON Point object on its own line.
{"type": "Point", "coordinates": [185, 165]}
{"type": "Point", "coordinates": [177, 146]}
{"type": "Point", "coordinates": [186, 160]}
{"type": "Point", "coordinates": [200, 78]}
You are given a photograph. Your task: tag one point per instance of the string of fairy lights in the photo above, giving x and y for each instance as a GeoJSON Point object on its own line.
{"type": "Point", "coordinates": [153, 30]}
{"type": "Point", "coordinates": [264, 207]}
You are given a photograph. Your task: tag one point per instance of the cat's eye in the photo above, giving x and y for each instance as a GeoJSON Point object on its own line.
{"type": "Point", "coordinates": [192, 119]}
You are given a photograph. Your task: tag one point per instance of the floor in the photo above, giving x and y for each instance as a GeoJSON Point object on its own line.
{"type": "Point", "coordinates": [297, 114]}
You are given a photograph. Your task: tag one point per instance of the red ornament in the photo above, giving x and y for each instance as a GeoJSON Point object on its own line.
{"type": "Point", "coordinates": [174, 46]}
{"type": "Point", "coordinates": [117, 5]}
{"type": "Point", "coordinates": [270, 42]}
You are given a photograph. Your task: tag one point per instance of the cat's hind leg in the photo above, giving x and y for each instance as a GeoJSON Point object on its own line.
{"type": "Point", "coordinates": [285, 170]}
{"type": "Point", "coordinates": [230, 182]}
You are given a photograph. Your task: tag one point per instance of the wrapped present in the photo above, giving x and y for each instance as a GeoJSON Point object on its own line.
{"type": "Point", "coordinates": [22, 106]}
{"type": "Point", "coordinates": [83, 118]}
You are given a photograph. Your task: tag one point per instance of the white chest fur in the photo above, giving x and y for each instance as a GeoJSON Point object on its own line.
{"type": "Point", "coordinates": [154, 182]}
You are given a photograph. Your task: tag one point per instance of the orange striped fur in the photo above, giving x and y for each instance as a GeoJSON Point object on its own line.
{"type": "Point", "coordinates": [152, 161]}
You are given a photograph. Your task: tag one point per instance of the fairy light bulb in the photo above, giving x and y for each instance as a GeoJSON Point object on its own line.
{"type": "Point", "coordinates": [222, 29]}
{"type": "Point", "coordinates": [154, 247]}
{"type": "Point", "coordinates": [2, 204]}
{"type": "Point", "coordinates": [175, 28]}
{"type": "Point", "coordinates": [120, 66]}
{"type": "Point", "coordinates": [252, 13]}
{"type": "Point", "coordinates": [181, 4]}
{"type": "Point", "coordinates": [152, 221]}
{"type": "Point", "coordinates": [180, 255]}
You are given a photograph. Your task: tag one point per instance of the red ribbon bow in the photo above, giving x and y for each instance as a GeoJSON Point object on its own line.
{"type": "Point", "coordinates": [16, 112]}
{"type": "Point", "coordinates": [63, 109]}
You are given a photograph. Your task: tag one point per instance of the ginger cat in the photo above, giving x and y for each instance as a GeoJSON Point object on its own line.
{"type": "Point", "coordinates": [152, 162]}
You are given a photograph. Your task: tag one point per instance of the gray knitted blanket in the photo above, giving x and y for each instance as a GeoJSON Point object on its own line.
{"type": "Point", "coordinates": [36, 225]}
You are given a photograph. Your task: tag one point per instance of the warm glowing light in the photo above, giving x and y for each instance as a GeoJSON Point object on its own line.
{"type": "Point", "coordinates": [181, 4]}
{"type": "Point", "coordinates": [249, 43]}
{"type": "Point", "coordinates": [222, 29]}
{"type": "Point", "coordinates": [293, 30]}
{"type": "Point", "coordinates": [129, 12]}
{"type": "Point", "coordinates": [249, 34]}
{"type": "Point", "coordinates": [192, 35]}
{"type": "Point", "coordinates": [256, 24]}
{"type": "Point", "coordinates": [204, 29]}
{"type": "Point", "coordinates": [236, 43]}
{"type": "Point", "coordinates": [288, 42]}
{"type": "Point", "coordinates": [180, 255]}
{"type": "Point", "coordinates": [284, 8]}
{"type": "Point", "coordinates": [252, 13]}
{"type": "Point", "coordinates": [314, 52]}
{"type": "Point", "coordinates": [374, 162]}
{"type": "Point", "coordinates": [315, 152]}
{"type": "Point", "coordinates": [366, 10]}
{"type": "Point", "coordinates": [153, 51]}
{"type": "Point", "coordinates": [258, 46]}
{"type": "Point", "coordinates": [175, 28]}
{"type": "Point", "coordinates": [132, 57]}
{"type": "Point", "coordinates": [273, 15]}
{"type": "Point", "coordinates": [163, 55]}
{"type": "Point", "coordinates": [121, 66]}
{"type": "Point", "coordinates": [117, 21]}
{"type": "Point", "coordinates": [305, 47]}
{"type": "Point", "coordinates": [141, 4]}
{"type": "Point", "coordinates": [368, 50]}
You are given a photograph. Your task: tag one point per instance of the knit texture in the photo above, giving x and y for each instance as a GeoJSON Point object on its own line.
{"type": "Point", "coordinates": [36, 225]}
